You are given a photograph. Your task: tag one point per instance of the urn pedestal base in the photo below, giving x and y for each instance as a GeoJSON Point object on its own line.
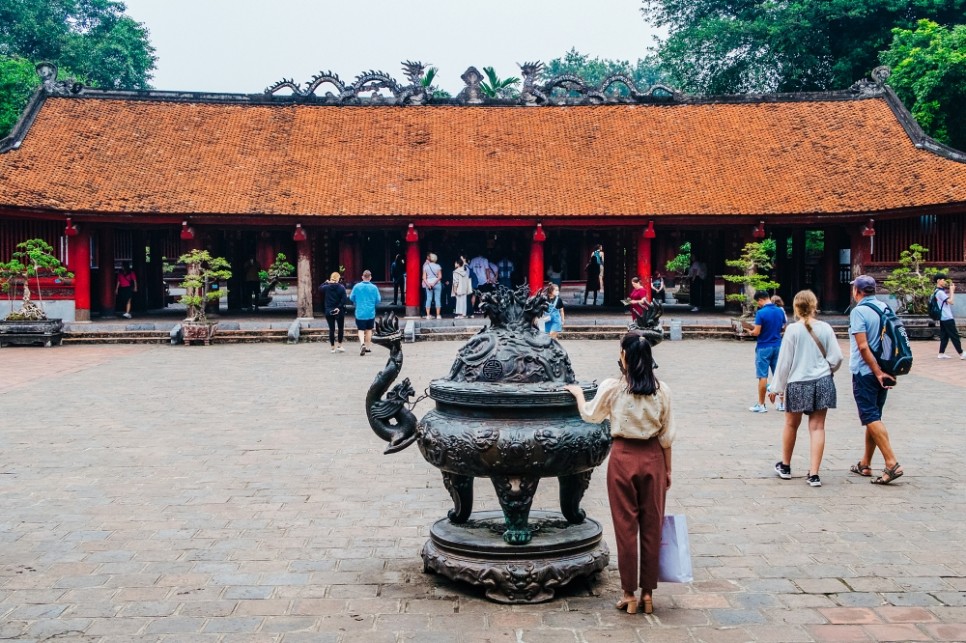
{"type": "Point", "coordinates": [474, 552]}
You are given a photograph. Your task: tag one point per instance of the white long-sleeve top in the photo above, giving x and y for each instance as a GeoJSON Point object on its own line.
{"type": "Point", "coordinates": [800, 360]}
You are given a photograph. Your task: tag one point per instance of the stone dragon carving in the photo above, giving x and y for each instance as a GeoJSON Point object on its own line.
{"type": "Point", "coordinates": [390, 417]}
{"type": "Point", "coordinates": [369, 81]}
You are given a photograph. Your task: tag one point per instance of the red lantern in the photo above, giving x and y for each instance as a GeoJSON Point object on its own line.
{"type": "Point", "coordinates": [869, 229]}
{"type": "Point", "coordinates": [70, 230]}
{"type": "Point", "coordinates": [649, 233]}
{"type": "Point", "coordinates": [187, 234]}
{"type": "Point", "coordinates": [759, 232]}
{"type": "Point", "coordinates": [299, 234]}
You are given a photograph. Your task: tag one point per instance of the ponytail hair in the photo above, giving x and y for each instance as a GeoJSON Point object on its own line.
{"type": "Point", "coordinates": [805, 305]}
{"type": "Point", "coordinates": [639, 372]}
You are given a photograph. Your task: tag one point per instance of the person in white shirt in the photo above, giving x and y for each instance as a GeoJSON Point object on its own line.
{"type": "Point", "coordinates": [945, 291]}
{"type": "Point", "coordinates": [808, 357]}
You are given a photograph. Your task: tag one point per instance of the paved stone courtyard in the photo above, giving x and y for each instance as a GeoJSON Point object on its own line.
{"type": "Point", "coordinates": [236, 493]}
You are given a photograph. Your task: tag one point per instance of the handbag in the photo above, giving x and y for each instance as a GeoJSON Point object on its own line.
{"type": "Point", "coordinates": [674, 561]}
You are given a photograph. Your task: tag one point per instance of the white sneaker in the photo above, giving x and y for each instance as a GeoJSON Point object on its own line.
{"type": "Point", "coordinates": [780, 406]}
{"type": "Point", "coordinates": [332, 351]}
{"type": "Point", "coordinates": [962, 356]}
{"type": "Point", "coordinates": [943, 356]}
{"type": "Point", "coordinates": [758, 408]}
{"type": "Point", "coordinates": [695, 309]}
{"type": "Point", "coordinates": [126, 315]}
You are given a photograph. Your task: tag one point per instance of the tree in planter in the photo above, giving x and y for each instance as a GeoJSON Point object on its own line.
{"type": "Point", "coordinates": [911, 283]}
{"type": "Point", "coordinates": [33, 258]}
{"type": "Point", "coordinates": [203, 272]}
{"type": "Point", "coordinates": [753, 265]}
{"type": "Point", "coordinates": [271, 278]}
{"type": "Point", "coordinates": [680, 265]}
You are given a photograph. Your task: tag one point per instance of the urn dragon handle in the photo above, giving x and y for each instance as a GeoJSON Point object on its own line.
{"type": "Point", "coordinates": [390, 416]}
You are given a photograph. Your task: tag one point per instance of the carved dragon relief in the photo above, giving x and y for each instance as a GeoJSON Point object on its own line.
{"type": "Point", "coordinates": [566, 89]}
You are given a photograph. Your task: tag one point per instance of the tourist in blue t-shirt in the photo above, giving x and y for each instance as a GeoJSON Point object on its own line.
{"type": "Point", "coordinates": [769, 323]}
{"type": "Point", "coordinates": [365, 296]}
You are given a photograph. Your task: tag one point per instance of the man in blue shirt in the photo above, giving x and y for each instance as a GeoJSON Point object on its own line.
{"type": "Point", "coordinates": [769, 322]}
{"type": "Point", "coordinates": [365, 296]}
{"type": "Point", "coordinates": [870, 384]}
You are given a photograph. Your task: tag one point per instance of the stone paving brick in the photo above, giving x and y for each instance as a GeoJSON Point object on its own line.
{"type": "Point", "coordinates": [850, 615]}
{"type": "Point", "coordinates": [946, 631]}
{"type": "Point", "coordinates": [838, 633]}
{"type": "Point", "coordinates": [276, 506]}
{"type": "Point", "coordinates": [903, 632]}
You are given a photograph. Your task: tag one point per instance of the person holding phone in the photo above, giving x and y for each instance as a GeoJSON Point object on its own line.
{"type": "Point", "coordinates": [870, 384]}
{"type": "Point", "coordinates": [334, 300]}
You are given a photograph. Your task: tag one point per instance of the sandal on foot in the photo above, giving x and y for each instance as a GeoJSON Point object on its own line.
{"type": "Point", "coordinates": [888, 475]}
{"type": "Point", "coordinates": [628, 604]}
{"type": "Point", "coordinates": [648, 604]}
{"type": "Point", "coordinates": [860, 469]}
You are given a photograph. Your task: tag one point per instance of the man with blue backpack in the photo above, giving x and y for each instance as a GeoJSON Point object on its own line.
{"type": "Point", "coordinates": [870, 382]}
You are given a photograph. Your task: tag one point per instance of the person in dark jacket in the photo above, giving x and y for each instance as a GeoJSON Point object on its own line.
{"type": "Point", "coordinates": [334, 300]}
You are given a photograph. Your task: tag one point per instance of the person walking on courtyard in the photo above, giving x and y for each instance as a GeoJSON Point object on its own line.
{"type": "Point", "coordinates": [127, 285]}
{"type": "Point", "coordinates": [365, 296]}
{"type": "Point", "coordinates": [697, 274]}
{"type": "Point", "coordinates": [433, 285]}
{"type": "Point", "coordinates": [808, 358]}
{"type": "Point", "coordinates": [769, 322]}
{"type": "Point", "coordinates": [595, 273]}
{"type": "Point", "coordinates": [556, 311]}
{"type": "Point", "coordinates": [637, 299]}
{"type": "Point", "coordinates": [945, 291]}
{"type": "Point", "coordinates": [397, 273]}
{"type": "Point", "coordinates": [334, 300]}
{"type": "Point", "coordinates": [252, 284]}
{"type": "Point", "coordinates": [638, 406]}
{"type": "Point", "coordinates": [462, 287]}
{"type": "Point", "coordinates": [870, 384]}
{"type": "Point", "coordinates": [658, 293]}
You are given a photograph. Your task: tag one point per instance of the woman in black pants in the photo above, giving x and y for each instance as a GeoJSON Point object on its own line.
{"type": "Point", "coordinates": [334, 300]}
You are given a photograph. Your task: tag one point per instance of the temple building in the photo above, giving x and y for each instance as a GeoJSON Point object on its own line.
{"type": "Point", "coordinates": [349, 179]}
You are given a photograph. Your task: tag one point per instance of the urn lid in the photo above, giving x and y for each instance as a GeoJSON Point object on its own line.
{"type": "Point", "coordinates": [510, 362]}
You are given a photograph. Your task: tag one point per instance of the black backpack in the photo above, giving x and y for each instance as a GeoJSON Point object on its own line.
{"type": "Point", "coordinates": [894, 354]}
{"type": "Point", "coordinates": [935, 310]}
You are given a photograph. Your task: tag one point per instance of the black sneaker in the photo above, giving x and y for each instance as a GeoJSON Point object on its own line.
{"type": "Point", "coordinates": [362, 350]}
{"type": "Point", "coordinates": [813, 480]}
{"type": "Point", "coordinates": [784, 471]}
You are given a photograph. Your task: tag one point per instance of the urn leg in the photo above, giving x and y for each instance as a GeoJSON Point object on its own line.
{"type": "Point", "coordinates": [516, 496]}
{"type": "Point", "coordinates": [461, 491]}
{"type": "Point", "coordinates": [572, 490]}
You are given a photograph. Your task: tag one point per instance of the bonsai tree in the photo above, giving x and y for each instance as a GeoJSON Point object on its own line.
{"type": "Point", "coordinates": [681, 263]}
{"type": "Point", "coordinates": [753, 266]}
{"type": "Point", "coordinates": [271, 278]}
{"type": "Point", "coordinates": [204, 271]}
{"type": "Point", "coordinates": [912, 284]}
{"type": "Point", "coordinates": [33, 258]}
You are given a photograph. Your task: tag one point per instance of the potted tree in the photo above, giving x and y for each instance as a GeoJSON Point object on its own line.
{"type": "Point", "coordinates": [272, 278]}
{"type": "Point", "coordinates": [32, 259]}
{"type": "Point", "coordinates": [679, 266]}
{"type": "Point", "coordinates": [912, 284]}
{"type": "Point", "coordinates": [753, 266]}
{"type": "Point", "coordinates": [202, 285]}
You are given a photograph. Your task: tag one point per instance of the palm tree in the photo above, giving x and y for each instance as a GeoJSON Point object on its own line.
{"type": "Point", "coordinates": [495, 87]}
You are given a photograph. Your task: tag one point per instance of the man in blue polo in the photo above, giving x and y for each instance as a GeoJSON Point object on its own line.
{"type": "Point", "coordinates": [365, 296]}
{"type": "Point", "coordinates": [769, 322]}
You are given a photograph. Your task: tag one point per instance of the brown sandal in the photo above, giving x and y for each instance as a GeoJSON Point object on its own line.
{"type": "Point", "coordinates": [860, 469]}
{"type": "Point", "coordinates": [888, 475]}
{"type": "Point", "coordinates": [648, 604]}
{"type": "Point", "coordinates": [629, 604]}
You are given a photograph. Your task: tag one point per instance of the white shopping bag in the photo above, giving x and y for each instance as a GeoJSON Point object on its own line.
{"type": "Point", "coordinates": [674, 565]}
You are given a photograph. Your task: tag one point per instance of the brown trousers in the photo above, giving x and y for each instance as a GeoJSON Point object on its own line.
{"type": "Point", "coordinates": [637, 487]}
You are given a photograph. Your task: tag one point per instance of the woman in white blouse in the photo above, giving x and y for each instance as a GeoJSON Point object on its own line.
{"type": "Point", "coordinates": [808, 357]}
{"type": "Point", "coordinates": [638, 406]}
{"type": "Point", "coordinates": [462, 287]}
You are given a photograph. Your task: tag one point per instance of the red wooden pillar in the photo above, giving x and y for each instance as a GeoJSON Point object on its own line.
{"type": "Point", "coordinates": [644, 257]}
{"type": "Point", "coordinates": [79, 263]}
{"type": "Point", "coordinates": [347, 258]}
{"type": "Point", "coordinates": [413, 272]}
{"type": "Point", "coordinates": [536, 259]}
{"type": "Point", "coordinates": [105, 271]}
{"type": "Point", "coordinates": [830, 271]}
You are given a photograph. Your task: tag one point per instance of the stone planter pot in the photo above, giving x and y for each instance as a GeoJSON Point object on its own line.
{"type": "Point", "coordinates": [44, 332]}
{"type": "Point", "coordinates": [198, 332]}
{"type": "Point", "coordinates": [920, 326]}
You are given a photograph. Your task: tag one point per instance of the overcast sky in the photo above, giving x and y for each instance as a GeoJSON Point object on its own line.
{"type": "Point", "coordinates": [245, 45]}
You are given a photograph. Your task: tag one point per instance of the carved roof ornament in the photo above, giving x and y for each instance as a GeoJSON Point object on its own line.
{"type": "Point", "coordinates": [52, 86]}
{"type": "Point", "coordinates": [565, 89]}
{"type": "Point", "coordinates": [874, 86]}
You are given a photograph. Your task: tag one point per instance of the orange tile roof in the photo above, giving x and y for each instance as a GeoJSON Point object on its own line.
{"type": "Point", "coordinates": [115, 155]}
